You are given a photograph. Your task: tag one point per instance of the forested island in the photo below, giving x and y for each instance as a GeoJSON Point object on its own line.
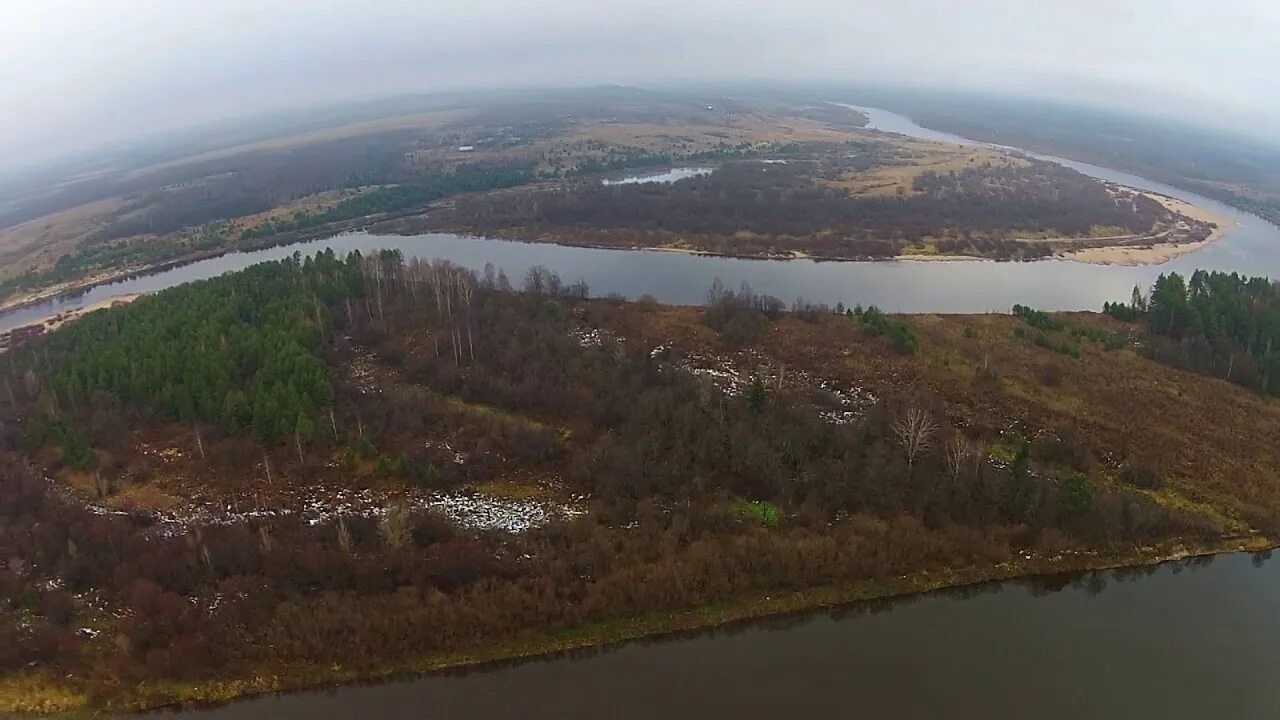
{"type": "Point", "coordinates": [330, 468]}
{"type": "Point", "coordinates": [854, 201]}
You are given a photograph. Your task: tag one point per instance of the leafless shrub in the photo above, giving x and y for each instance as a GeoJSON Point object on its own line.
{"type": "Point", "coordinates": [958, 452]}
{"type": "Point", "coordinates": [344, 537]}
{"type": "Point", "coordinates": [394, 528]}
{"type": "Point", "coordinates": [102, 485]}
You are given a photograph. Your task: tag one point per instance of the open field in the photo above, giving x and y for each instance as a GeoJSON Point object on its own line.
{"type": "Point", "coordinates": [420, 122]}
{"type": "Point", "coordinates": [914, 157]}
{"type": "Point", "coordinates": [37, 244]}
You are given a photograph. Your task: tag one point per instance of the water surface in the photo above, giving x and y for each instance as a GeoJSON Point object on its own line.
{"type": "Point", "coordinates": [1184, 640]}
{"type": "Point", "coordinates": [666, 176]}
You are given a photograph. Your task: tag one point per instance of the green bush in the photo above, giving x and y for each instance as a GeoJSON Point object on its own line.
{"type": "Point", "coordinates": [1075, 495]}
{"type": "Point", "coordinates": [877, 323]}
{"type": "Point", "coordinates": [1038, 319]}
{"type": "Point", "coordinates": [757, 510]}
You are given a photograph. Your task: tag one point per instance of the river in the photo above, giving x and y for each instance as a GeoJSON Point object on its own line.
{"type": "Point", "coordinates": [1251, 245]}
{"type": "Point", "coordinates": [1194, 639]}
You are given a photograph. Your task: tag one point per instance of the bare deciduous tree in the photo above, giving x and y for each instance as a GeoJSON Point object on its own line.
{"type": "Point", "coordinates": [978, 456]}
{"type": "Point", "coordinates": [958, 451]}
{"type": "Point", "coordinates": [914, 431]}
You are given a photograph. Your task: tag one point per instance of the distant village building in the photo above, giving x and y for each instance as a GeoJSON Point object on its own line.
{"type": "Point", "coordinates": [466, 148]}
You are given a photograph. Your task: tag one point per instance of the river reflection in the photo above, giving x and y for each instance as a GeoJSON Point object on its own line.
{"type": "Point", "coordinates": [1189, 639]}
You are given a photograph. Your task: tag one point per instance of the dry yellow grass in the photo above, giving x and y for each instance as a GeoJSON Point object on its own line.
{"type": "Point", "coordinates": [655, 137]}
{"type": "Point", "coordinates": [750, 127]}
{"type": "Point", "coordinates": [38, 693]}
{"type": "Point", "coordinates": [919, 156]}
{"type": "Point", "coordinates": [149, 496]}
{"type": "Point", "coordinates": [311, 203]}
{"type": "Point", "coordinates": [39, 243]}
{"type": "Point", "coordinates": [778, 128]}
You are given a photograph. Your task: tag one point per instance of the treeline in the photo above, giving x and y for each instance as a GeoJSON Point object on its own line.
{"type": "Point", "coordinates": [666, 460]}
{"type": "Point", "coordinates": [1222, 324]}
{"type": "Point", "coordinates": [168, 199]}
{"type": "Point", "coordinates": [618, 159]}
{"type": "Point", "coordinates": [76, 264]}
{"type": "Point", "coordinates": [167, 212]}
{"type": "Point", "coordinates": [466, 178]}
{"type": "Point", "coordinates": [788, 207]}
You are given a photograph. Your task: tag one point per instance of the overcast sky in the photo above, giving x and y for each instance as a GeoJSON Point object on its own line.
{"type": "Point", "coordinates": [78, 73]}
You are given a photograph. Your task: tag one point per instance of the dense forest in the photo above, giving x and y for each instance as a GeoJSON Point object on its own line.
{"type": "Point", "coordinates": [696, 494]}
{"type": "Point", "coordinates": [800, 206]}
{"type": "Point", "coordinates": [464, 179]}
{"type": "Point", "coordinates": [1221, 324]}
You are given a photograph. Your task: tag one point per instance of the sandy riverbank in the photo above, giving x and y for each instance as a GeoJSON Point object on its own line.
{"type": "Point", "coordinates": [52, 291]}
{"type": "Point", "coordinates": [53, 322]}
{"type": "Point", "coordinates": [1153, 253]}
{"type": "Point", "coordinates": [1156, 253]}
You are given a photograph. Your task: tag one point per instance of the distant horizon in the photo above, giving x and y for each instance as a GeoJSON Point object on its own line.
{"type": "Point", "coordinates": [83, 74]}
{"type": "Point", "coordinates": [361, 107]}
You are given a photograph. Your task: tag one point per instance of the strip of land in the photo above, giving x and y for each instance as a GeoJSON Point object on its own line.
{"type": "Point", "coordinates": [350, 468]}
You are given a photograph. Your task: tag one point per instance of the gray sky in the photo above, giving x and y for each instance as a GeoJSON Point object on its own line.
{"type": "Point", "coordinates": [80, 73]}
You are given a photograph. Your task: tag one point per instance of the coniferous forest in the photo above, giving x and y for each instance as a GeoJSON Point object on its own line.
{"type": "Point", "coordinates": [1221, 324]}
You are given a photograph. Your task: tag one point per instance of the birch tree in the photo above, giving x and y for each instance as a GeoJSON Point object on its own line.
{"type": "Point", "coordinates": [914, 430]}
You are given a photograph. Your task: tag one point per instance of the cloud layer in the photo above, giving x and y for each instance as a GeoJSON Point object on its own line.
{"type": "Point", "coordinates": [75, 73]}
